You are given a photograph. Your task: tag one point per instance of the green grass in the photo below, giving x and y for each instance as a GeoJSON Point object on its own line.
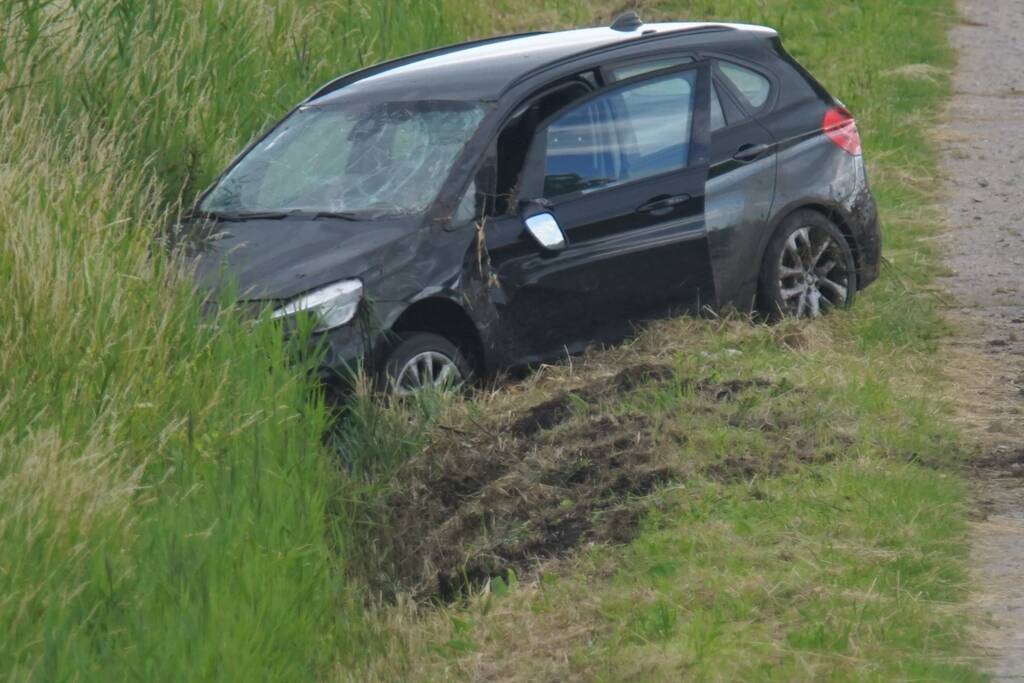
{"type": "Point", "coordinates": [165, 493]}
{"type": "Point", "coordinates": [170, 509]}
{"type": "Point", "coordinates": [185, 84]}
{"type": "Point", "coordinates": [846, 573]}
{"type": "Point", "coordinates": [818, 532]}
{"type": "Point", "coordinates": [163, 484]}
{"type": "Point", "coordinates": [821, 531]}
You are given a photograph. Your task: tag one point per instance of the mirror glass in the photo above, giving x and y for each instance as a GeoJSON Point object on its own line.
{"type": "Point", "coordinates": [546, 231]}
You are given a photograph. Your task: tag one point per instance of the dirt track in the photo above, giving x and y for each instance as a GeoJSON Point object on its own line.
{"type": "Point", "coordinates": [983, 160]}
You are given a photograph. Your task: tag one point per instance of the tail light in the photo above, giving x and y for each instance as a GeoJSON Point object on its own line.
{"type": "Point", "coordinates": [841, 128]}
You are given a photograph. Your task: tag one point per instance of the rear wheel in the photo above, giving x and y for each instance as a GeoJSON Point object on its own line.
{"type": "Point", "coordinates": [808, 268]}
{"type": "Point", "coordinates": [423, 360]}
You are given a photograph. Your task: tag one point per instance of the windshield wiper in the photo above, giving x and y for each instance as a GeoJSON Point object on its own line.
{"type": "Point", "coordinates": [239, 216]}
{"type": "Point", "coordinates": [343, 215]}
{"type": "Point", "coordinates": [250, 215]}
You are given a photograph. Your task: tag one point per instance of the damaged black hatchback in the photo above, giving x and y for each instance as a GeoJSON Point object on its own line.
{"type": "Point", "coordinates": [511, 200]}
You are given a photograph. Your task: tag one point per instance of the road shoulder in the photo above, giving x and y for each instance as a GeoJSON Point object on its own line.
{"type": "Point", "coordinates": [982, 156]}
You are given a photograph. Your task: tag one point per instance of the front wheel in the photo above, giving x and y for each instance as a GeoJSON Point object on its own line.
{"type": "Point", "coordinates": [808, 268]}
{"type": "Point", "coordinates": [423, 360]}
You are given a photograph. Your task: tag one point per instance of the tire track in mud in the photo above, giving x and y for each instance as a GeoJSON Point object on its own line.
{"type": "Point", "coordinates": [983, 161]}
{"type": "Point", "coordinates": [498, 495]}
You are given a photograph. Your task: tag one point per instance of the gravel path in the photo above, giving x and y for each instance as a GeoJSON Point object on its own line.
{"type": "Point", "coordinates": [983, 160]}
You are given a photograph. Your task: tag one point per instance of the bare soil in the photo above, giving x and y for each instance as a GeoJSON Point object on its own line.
{"type": "Point", "coordinates": [500, 494]}
{"type": "Point", "coordinates": [983, 160]}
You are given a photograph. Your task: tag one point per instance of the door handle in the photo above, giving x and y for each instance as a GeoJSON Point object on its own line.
{"type": "Point", "coordinates": [750, 152]}
{"type": "Point", "coordinates": [662, 205]}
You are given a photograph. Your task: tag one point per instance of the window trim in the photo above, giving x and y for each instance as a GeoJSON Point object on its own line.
{"type": "Point", "coordinates": [700, 149]}
{"type": "Point", "coordinates": [735, 114]}
{"type": "Point", "coordinates": [607, 70]}
{"type": "Point", "coordinates": [716, 91]}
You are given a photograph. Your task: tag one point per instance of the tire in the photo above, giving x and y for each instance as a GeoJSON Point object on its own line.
{"type": "Point", "coordinates": [808, 269]}
{"type": "Point", "coordinates": [419, 360]}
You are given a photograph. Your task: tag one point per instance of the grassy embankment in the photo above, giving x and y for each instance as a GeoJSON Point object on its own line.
{"type": "Point", "coordinates": [164, 494]}
{"type": "Point", "coordinates": [811, 519]}
{"type": "Point", "coordinates": [163, 487]}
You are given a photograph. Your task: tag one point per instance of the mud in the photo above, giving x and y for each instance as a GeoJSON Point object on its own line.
{"type": "Point", "coordinates": [503, 496]}
{"type": "Point", "coordinates": [983, 159]}
{"type": "Point", "coordinates": [486, 505]}
{"type": "Point", "coordinates": [555, 411]}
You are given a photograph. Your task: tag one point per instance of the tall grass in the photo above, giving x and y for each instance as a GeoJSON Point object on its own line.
{"type": "Point", "coordinates": [165, 494]}
{"type": "Point", "coordinates": [184, 84]}
{"type": "Point", "coordinates": [827, 538]}
{"type": "Point", "coordinates": [163, 484]}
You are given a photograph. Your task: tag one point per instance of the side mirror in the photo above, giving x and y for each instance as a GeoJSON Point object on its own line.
{"type": "Point", "coordinates": [545, 230]}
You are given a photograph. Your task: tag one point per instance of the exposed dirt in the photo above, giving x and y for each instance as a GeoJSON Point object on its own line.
{"type": "Point", "coordinates": [550, 413]}
{"type": "Point", "coordinates": [983, 158]}
{"type": "Point", "coordinates": [486, 499]}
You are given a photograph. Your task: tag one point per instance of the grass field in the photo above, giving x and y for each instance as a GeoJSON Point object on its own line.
{"type": "Point", "coordinates": [169, 508]}
{"type": "Point", "coordinates": [811, 522]}
{"type": "Point", "coordinates": [163, 487]}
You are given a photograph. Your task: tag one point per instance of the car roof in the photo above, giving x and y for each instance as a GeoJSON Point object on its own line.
{"type": "Point", "coordinates": [485, 69]}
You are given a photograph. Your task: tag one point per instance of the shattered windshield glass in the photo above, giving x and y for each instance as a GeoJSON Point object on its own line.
{"type": "Point", "coordinates": [380, 159]}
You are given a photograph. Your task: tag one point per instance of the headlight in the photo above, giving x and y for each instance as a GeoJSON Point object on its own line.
{"type": "Point", "coordinates": [333, 305]}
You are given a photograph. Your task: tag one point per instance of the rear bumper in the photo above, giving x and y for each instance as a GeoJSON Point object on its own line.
{"type": "Point", "coordinates": [865, 227]}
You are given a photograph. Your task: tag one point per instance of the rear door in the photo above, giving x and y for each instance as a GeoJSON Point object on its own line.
{"type": "Point", "coordinates": [623, 173]}
{"type": "Point", "coordinates": [741, 182]}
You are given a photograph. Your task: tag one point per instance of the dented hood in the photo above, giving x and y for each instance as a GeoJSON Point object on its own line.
{"type": "Point", "coordinates": [280, 259]}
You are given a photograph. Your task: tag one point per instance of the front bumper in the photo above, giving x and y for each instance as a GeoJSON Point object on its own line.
{"type": "Point", "coordinates": [346, 351]}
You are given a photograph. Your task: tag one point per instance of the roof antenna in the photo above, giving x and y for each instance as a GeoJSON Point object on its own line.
{"type": "Point", "coordinates": [627, 21]}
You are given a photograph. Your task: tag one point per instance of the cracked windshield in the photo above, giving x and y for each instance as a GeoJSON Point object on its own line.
{"type": "Point", "coordinates": [381, 159]}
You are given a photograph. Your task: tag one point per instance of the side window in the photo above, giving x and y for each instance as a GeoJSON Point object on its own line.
{"type": "Point", "coordinates": [466, 211]}
{"type": "Point", "coordinates": [634, 132]}
{"type": "Point", "coordinates": [621, 73]}
{"type": "Point", "coordinates": [754, 87]}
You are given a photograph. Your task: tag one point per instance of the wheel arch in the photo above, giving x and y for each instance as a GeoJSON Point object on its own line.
{"type": "Point", "coordinates": [446, 318]}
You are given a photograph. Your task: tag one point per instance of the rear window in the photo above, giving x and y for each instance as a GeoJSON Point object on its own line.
{"type": "Point", "coordinates": [754, 87]}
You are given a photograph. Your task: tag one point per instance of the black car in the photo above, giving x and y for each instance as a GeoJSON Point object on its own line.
{"type": "Point", "coordinates": [505, 201]}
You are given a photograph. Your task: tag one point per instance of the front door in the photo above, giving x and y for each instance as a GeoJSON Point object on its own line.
{"type": "Point", "coordinates": [623, 173]}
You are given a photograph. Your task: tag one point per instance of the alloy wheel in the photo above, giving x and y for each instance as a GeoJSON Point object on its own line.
{"type": "Point", "coordinates": [813, 274]}
{"type": "Point", "coordinates": [427, 369]}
